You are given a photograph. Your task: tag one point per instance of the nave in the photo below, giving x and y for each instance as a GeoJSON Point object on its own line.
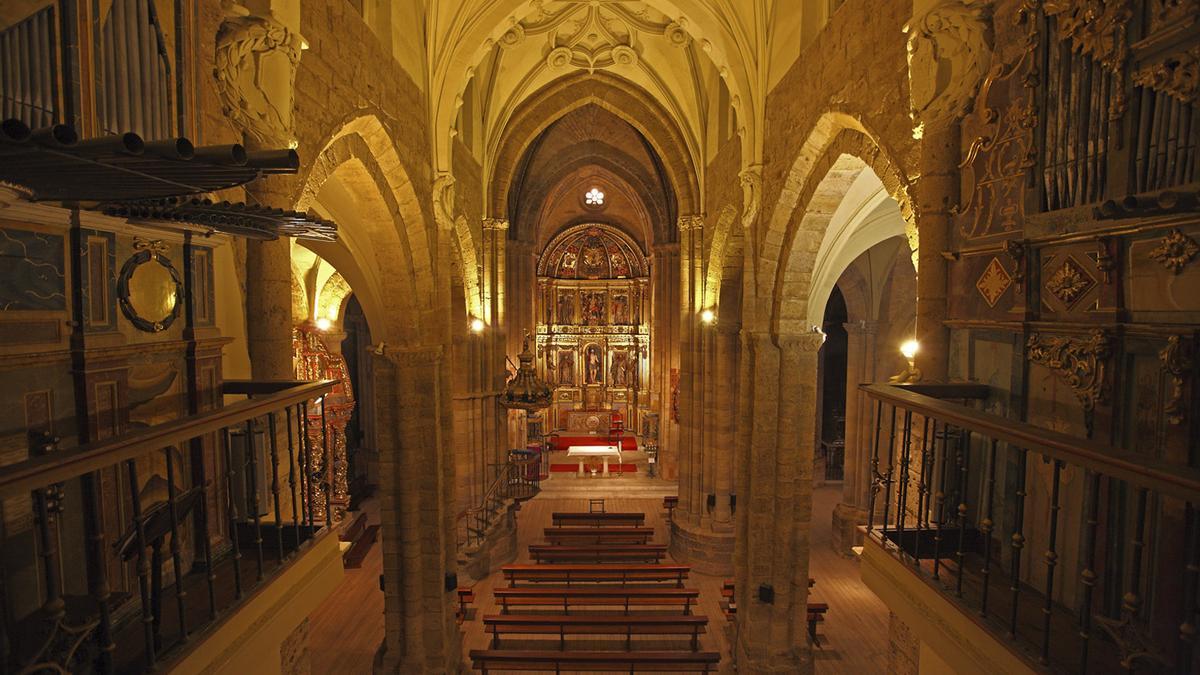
{"type": "Point", "coordinates": [345, 631]}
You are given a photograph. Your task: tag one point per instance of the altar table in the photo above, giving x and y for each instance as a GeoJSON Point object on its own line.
{"type": "Point", "coordinates": [603, 451]}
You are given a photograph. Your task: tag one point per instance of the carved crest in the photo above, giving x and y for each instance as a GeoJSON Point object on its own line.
{"type": "Point", "coordinates": [1070, 282]}
{"type": "Point", "coordinates": [255, 69]}
{"type": "Point", "coordinates": [948, 54]}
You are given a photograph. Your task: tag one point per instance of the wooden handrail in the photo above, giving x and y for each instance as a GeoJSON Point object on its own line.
{"type": "Point", "coordinates": [55, 467]}
{"type": "Point", "coordinates": [1140, 471]}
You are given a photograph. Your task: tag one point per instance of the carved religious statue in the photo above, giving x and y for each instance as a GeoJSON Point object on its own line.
{"type": "Point", "coordinates": [595, 365]}
{"type": "Point", "coordinates": [619, 370]}
{"type": "Point", "coordinates": [593, 308]}
{"type": "Point", "coordinates": [566, 367]}
{"type": "Point", "coordinates": [566, 309]}
{"type": "Point", "coordinates": [620, 310]}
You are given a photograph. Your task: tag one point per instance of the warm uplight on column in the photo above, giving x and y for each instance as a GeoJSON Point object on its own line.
{"type": "Point", "coordinates": [477, 325]}
{"type": "Point", "coordinates": [908, 349]}
{"type": "Point", "coordinates": [708, 316]}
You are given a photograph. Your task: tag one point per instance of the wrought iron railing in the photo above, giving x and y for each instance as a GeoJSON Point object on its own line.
{"type": "Point", "coordinates": [119, 574]}
{"type": "Point", "coordinates": [517, 478]}
{"type": "Point", "coordinates": [1102, 563]}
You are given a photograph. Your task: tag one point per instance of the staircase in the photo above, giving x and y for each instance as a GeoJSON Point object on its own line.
{"type": "Point", "coordinates": [487, 533]}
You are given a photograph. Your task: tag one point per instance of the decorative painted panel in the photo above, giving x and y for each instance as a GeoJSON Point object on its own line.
{"type": "Point", "coordinates": [32, 271]}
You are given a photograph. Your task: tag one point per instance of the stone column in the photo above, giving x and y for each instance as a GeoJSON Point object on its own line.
{"type": "Point", "coordinates": [665, 344]}
{"type": "Point", "coordinates": [936, 193]}
{"type": "Point", "coordinates": [774, 526]}
{"type": "Point", "coordinates": [726, 383]}
{"type": "Point", "coordinates": [420, 632]}
{"type": "Point", "coordinates": [691, 414]}
{"type": "Point", "coordinates": [269, 309]}
{"type": "Point", "coordinates": [860, 368]}
{"type": "Point", "coordinates": [495, 238]}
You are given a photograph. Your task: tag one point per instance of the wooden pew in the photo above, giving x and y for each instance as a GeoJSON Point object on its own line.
{"type": "Point", "coordinates": [598, 535]}
{"type": "Point", "coordinates": [595, 554]}
{"type": "Point", "coordinates": [662, 662]}
{"type": "Point", "coordinates": [613, 596]}
{"type": "Point", "coordinates": [816, 610]}
{"type": "Point", "coordinates": [562, 518]}
{"type": "Point", "coordinates": [465, 595]}
{"type": "Point", "coordinates": [618, 574]}
{"type": "Point", "coordinates": [595, 624]}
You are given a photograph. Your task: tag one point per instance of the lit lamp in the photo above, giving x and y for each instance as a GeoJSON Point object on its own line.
{"type": "Point", "coordinates": [324, 324]}
{"type": "Point", "coordinates": [525, 391]}
{"type": "Point", "coordinates": [477, 325]}
{"type": "Point", "coordinates": [909, 350]}
{"type": "Point", "coordinates": [708, 316]}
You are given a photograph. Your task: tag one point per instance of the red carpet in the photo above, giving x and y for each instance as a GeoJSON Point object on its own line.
{"type": "Point", "coordinates": [573, 468]}
{"type": "Point", "coordinates": [563, 441]}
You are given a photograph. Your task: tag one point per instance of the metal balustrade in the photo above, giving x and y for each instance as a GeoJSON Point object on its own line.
{"type": "Point", "coordinates": [91, 512]}
{"type": "Point", "coordinates": [958, 494]}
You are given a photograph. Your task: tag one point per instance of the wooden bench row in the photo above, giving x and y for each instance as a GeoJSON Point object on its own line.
{"type": "Point", "coordinates": [621, 597]}
{"type": "Point", "coordinates": [595, 624]}
{"type": "Point", "coordinates": [598, 535]}
{"type": "Point", "coordinates": [598, 519]}
{"type": "Point", "coordinates": [617, 574]}
{"type": "Point", "coordinates": [816, 610]}
{"type": "Point", "coordinates": [663, 662]}
{"type": "Point", "coordinates": [611, 553]}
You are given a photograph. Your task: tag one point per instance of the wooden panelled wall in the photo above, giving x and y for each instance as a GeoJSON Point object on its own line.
{"type": "Point", "coordinates": [1075, 261]}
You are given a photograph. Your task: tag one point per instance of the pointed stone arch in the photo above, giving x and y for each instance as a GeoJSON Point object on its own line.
{"type": "Point", "coordinates": [385, 244]}
{"type": "Point", "coordinates": [838, 147]}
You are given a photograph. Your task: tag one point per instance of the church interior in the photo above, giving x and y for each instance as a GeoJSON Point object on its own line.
{"type": "Point", "coordinates": [713, 336]}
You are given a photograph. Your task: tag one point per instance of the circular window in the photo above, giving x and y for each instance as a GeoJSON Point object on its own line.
{"type": "Point", "coordinates": [593, 198]}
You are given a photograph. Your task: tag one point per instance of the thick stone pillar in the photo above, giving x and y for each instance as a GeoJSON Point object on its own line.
{"type": "Point", "coordinates": [665, 343]}
{"type": "Point", "coordinates": [724, 416]}
{"type": "Point", "coordinates": [936, 193]}
{"type": "Point", "coordinates": [269, 318]}
{"type": "Point", "coordinates": [420, 632]}
{"type": "Point", "coordinates": [495, 238]}
{"type": "Point", "coordinates": [691, 412]}
{"type": "Point", "coordinates": [774, 526]}
{"type": "Point", "coordinates": [860, 368]}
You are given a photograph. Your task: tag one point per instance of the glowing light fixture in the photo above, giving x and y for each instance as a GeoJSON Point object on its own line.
{"type": "Point", "coordinates": [477, 325]}
{"type": "Point", "coordinates": [908, 349]}
{"type": "Point", "coordinates": [324, 324]}
{"type": "Point", "coordinates": [708, 316]}
{"type": "Point", "coordinates": [594, 197]}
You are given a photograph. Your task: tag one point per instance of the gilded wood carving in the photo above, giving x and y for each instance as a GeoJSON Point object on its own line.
{"type": "Point", "coordinates": [1081, 362]}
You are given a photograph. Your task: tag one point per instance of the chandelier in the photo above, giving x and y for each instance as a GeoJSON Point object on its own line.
{"type": "Point", "coordinates": [525, 391]}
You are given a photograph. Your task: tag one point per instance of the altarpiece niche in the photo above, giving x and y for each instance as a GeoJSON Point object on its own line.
{"type": "Point", "coordinates": [593, 336]}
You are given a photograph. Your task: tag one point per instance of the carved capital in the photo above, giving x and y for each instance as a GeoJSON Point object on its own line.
{"type": "Point", "coordinates": [255, 71]}
{"type": "Point", "coordinates": [751, 179]}
{"type": "Point", "coordinates": [499, 224]}
{"type": "Point", "coordinates": [688, 223]}
{"type": "Point", "coordinates": [801, 342]}
{"type": "Point", "coordinates": [949, 52]}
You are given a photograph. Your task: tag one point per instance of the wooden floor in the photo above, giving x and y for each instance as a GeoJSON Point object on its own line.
{"type": "Point", "coordinates": [346, 630]}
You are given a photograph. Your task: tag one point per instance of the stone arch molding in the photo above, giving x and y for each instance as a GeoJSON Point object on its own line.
{"type": "Point", "coordinates": [384, 249]}
{"type": "Point", "coordinates": [792, 231]}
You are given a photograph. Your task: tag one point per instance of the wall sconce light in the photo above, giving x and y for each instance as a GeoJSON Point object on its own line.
{"type": "Point", "coordinates": [908, 349]}
{"type": "Point", "coordinates": [708, 316]}
{"type": "Point", "coordinates": [324, 324]}
{"type": "Point", "coordinates": [477, 325]}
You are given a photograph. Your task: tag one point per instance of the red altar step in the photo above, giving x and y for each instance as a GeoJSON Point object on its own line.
{"type": "Point", "coordinates": [573, 468]}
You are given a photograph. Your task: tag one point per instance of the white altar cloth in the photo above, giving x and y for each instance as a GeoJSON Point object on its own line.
{"type": "Point", "coordinates": [603, 451]}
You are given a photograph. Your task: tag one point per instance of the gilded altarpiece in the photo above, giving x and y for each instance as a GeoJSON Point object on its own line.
{"type": "Point", "coordinates": [593, 335]}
